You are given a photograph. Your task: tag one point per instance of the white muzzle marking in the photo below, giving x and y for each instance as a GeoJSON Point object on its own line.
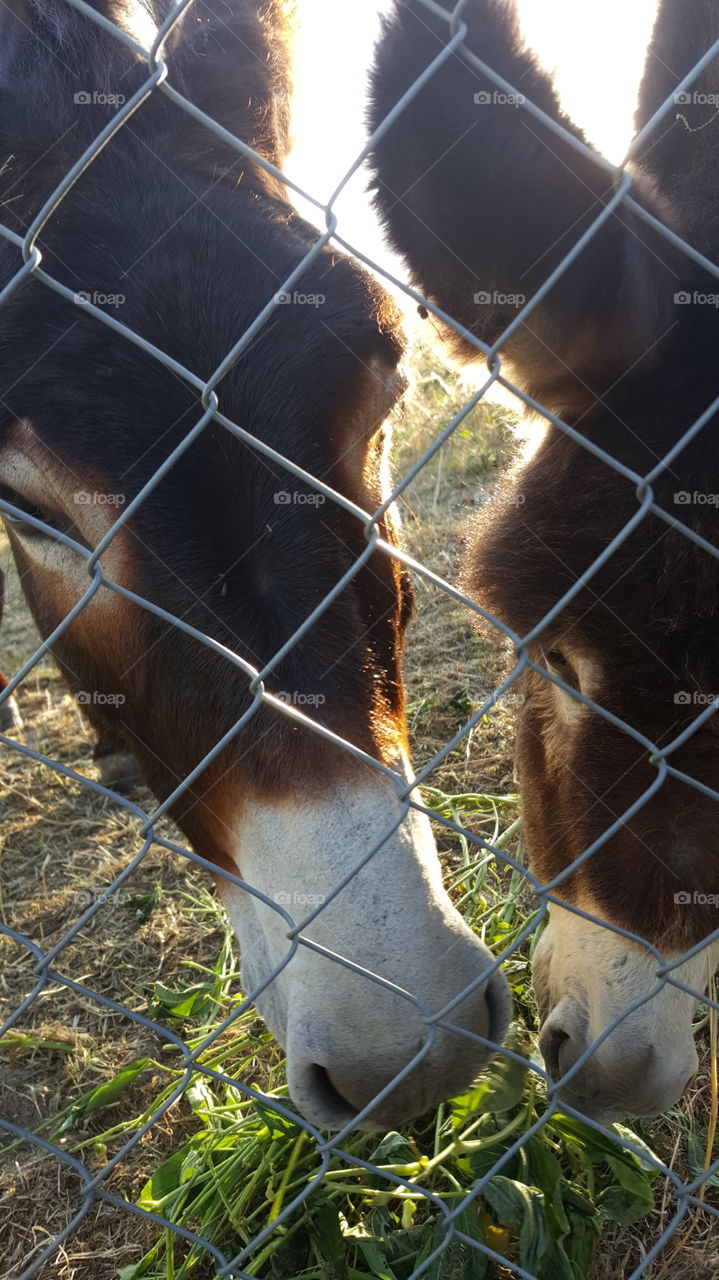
{"type": "Point", "coordinates": [585, 975]}
{"type": "Point", "coordinates": [347, 1036]}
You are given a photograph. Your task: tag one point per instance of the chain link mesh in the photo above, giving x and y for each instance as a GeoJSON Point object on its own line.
{"type": "Point", "coordinates": [687, 1194]}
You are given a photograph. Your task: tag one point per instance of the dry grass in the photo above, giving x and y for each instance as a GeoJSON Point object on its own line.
{"type": "Point", "coordinates": [62, 843]}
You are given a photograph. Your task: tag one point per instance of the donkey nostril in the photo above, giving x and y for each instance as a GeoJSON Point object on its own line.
{"type": "Point", "coordinates": [324, 1088]}
{"type": "Point", "coordinates": [690, 1081]}
{"type": "Point", "coordinates": [499, 1008]}
{"type": "Point", "coordinates": [551, 1042]}
{"type": "Point", "coordinates": [317, 1097]}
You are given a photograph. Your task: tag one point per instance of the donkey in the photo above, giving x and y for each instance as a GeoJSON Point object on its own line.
{"type": "Point", "coordinates": [484, 200]}
{"type": "Point", "coordinates": [184, 240]}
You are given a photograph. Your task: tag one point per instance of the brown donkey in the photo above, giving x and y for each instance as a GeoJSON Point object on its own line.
{"type": "Point", "coordinates": [185, 241]}
{"type": "Point", "coordinates": [484, 200]}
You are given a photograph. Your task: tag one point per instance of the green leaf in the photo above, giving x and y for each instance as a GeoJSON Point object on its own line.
{"type": "Point", "coordinates": [619, 1205]}
{"type": "Point", "coordinates": [383, 1245]}
{"type": "Point", "coordinates": [695, 1153]}
{"type": "Point", "coordinates": [632, 1198]}
{"type": "Point", "coordinates": [188, 1002]}
{"type": "Point", "coordinates": [201, 1098]}
{"type": "Point", "coordinates": [599, 1146]}
{"type": "Point", "coordinates": [696, 1158]}
{"type": "Point", "coordinates": [582, 1137]}
{"type": "Point", "coordinates": [482, 1162]}
{"type": "Point", "coordinates": [106, 1094]}
{"type": "Point", "coordinates": [458, 1260]}
{"type": "Point", "coordinates": [545, 1173]}
{"type": "Point", "coordinates": [393, 1149]}
{"type": "Point", "coordinates": [582, 1240]}
{"type": "Point", "coordinates": [278, 1126]}
{"type": "Point", "coordinates": [143, 904]}
{"type": "Point", "coordinates": [576, 1202]}
{"type": "Point", "coordinates": [557, 1266]}
{"type": "Point", "coordinates": [522, 1208]}
{"type": "Point", "coordinates": [375, 1257]}
{"type": "Point", "coordinates": [468, 1222]}
{"type": "Point", "coordinates": [326, 1233]}
{"type": "Point", "coordinates": [141, 1268]}
{"type": "Point", "coordinates": [630, 1175]}
{"type": "Point", "coordinates": [414, 1242]}
{"type": "Point", "coordinates": [501, 1086]}
{"type": "Point", "coordinates": [628, 1196]}
{"type": "Point", "coordinates": [628, 1135]}
{"type": "Point", "coordinates": [164, 1181]}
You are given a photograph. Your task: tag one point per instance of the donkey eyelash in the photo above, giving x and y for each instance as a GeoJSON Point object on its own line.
{"type": "Point", "coordinates": [53, 520]}
{"type": "Point", "coordinates": [556, 658]}
{"type": "Point", "coordinates": [556, 661]}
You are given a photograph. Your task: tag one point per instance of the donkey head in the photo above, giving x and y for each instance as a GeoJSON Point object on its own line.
{"type": "Point", "coordinates": [486, 200]}
{"type": "Point", "coordinates": [173, 233]}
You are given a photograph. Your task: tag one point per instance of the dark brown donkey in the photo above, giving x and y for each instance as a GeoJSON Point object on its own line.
{"type": "Point", "coordinates": [180, 238]}
{"type": "Point", "coordinates": [485, 200]}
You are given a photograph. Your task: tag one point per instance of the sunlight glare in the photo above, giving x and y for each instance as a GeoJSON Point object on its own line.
{"type": "Point", "coordinates": [594, 49]}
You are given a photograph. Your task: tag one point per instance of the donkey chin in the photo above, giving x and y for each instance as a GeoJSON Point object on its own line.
{"type": "Point", "coordinates": [586, 976]}
{"type": "Point", "coordinates": [353, 995]}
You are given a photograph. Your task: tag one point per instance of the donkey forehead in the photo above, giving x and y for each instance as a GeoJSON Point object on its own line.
{"type": "Point", "coordinates": [310, 391]}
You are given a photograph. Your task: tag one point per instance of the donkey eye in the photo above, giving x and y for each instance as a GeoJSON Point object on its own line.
{"type": "Point", "coordinates": [556, 658]}
{"type": "Point", "coordinates": [53, 520]}
{"type": "Point", "coordinates": [558, 663]}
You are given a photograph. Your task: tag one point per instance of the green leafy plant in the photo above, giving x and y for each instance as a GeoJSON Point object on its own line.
{"type": "Point", "coordinates": [540, 1202]}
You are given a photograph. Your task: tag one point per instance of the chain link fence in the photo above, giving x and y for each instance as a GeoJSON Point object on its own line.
{"type": "Point", "coordinates": [688, 1195]}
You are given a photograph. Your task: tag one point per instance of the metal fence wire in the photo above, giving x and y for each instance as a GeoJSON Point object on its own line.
{"type": "Point", "coordinates": [686, 1194]}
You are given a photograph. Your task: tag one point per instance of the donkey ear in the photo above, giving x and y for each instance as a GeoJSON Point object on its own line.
{"type": "Point", "coordinates": [228, 57]}
{"type": "Point", "coordinates": [50, 50]}
{"type": "Point", "coordinates": [485, 200]}
{"type": "Point", "coordinates": [232, 60]}
{"type": "Point", "coordinates": [682, 153]}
